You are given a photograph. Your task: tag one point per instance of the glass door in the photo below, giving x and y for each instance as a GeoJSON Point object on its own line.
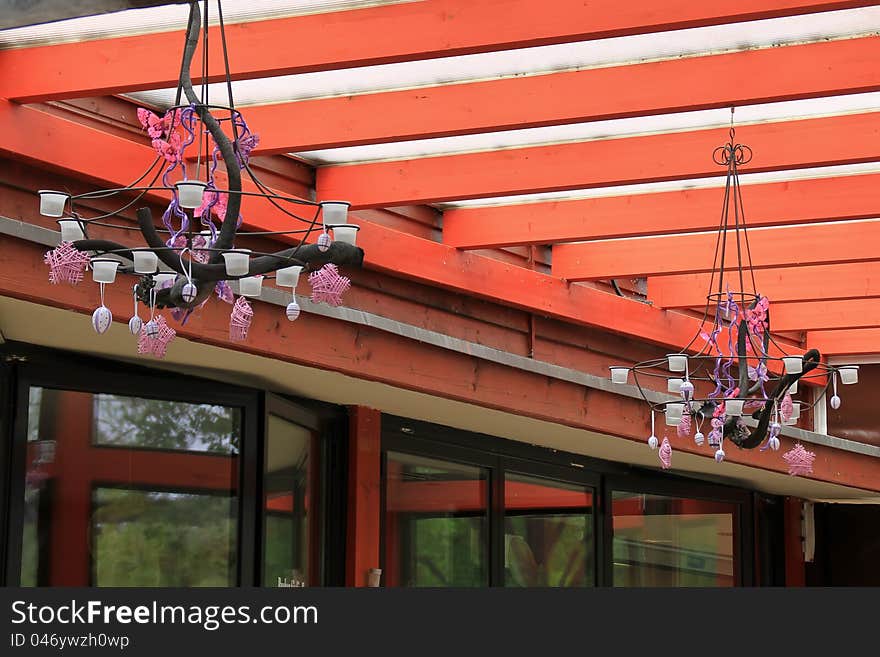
{"type": "Point", "coordinates": [436, 522]}
{"type": "Point", "coordinates": [291, 531]}
{"type": "Point", "coordinates": [549, 537]}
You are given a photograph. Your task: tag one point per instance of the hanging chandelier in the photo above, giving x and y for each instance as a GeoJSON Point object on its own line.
{"type": "Point", "coordinates": [728, 385]}
{"type": "Point", "coordinates": [194, 253]}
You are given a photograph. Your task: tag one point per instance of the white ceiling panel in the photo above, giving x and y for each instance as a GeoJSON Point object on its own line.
{"type": "Point", "coordinates": [544, 59]}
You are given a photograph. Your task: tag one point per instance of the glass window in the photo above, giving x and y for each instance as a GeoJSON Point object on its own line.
{"type": "Point", "coordinates": [287, 505]}
{"type": "Point", "coordinates": [436, 523]}
{"type": "Point", "coordinates": [548, 533]}
{"type": "Point", "coordinates": [124, 491]}
{"type": "Point", "coordinates": [671, 541]}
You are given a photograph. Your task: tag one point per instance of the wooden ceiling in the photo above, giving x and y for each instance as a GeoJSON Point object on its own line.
{"type": "Point", "coordinates": [609, 162]}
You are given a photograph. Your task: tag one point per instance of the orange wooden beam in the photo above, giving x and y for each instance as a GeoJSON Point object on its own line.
{"type": "Point", "coordinates": [688, 210]}
{"type": "Point", "coordinates": [859, 280]}
{"type": "Point", "coordinates": [812, 244]}
{"type": "Point", "coordinates": [819, 69]}
{"type": "Point", "coordinates": [364, 494]}
{"type": "Point", "coordinates": [826, 315]}
{"type": "Point", "coordinates": [374, 355]}
{"type": "Point", "coordinates": [856, 342]}
{"type": "Point", "coordinates": [115, 160]}
{"type": "Point", "coordinates": [598, 163]}
{"type": "Point", "coordinates": [373, 35]}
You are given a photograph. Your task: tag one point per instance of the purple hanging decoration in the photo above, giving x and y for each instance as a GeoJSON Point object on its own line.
{"type": "Point", "coordinates": [224, 292]}
{"type": "Point", "coordinates": [240, 319]}
{"type": "Point", "coordinates": [328, 286]}
{"type": "Point", "coordinates": [800, 461]}
{"type": "Point", "coordinates": [66, 264]}
{"type": "Point", "coordinates": [665, 454]}
{"type": "Point", "coordinates": [156, 345]}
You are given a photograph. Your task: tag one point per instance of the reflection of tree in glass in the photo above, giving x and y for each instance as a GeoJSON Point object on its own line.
{"type": "Point", "coordinates": [449, 551]}
{"type": "Point", "coordinates": [147, 538]}
{"type": "Point", "coordinates": [159, 424]}
{"type": "Point", "coordinates": [548, 550]}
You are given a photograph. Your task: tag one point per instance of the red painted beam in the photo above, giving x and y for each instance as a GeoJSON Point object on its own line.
{"type": "Point", "coordinates": [812, 244]}
{"type": "Point", "coordinates": [856, 342]}
{"type": "Point", "coordinates": [812, 70]}
{"type": "Point", "coordinates": [859, 280]}
{"type": "Point", "coordinates": [118, 161]}
{"type": "Point", "coordinates": [688, 210]}
{"type": "Point", "coordinates": [599, 163]}
{"type": "Point", "coordinates": [375, 35]}
{"type": "Point", "coordinates": [364, 494]}
{"type": "Point", "coordinates": [827, 315]}
{"type": "Point", "coordinates": [373, 355]}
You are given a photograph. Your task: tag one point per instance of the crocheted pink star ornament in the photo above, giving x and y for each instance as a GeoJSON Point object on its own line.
{"type": "Point", "coordinates": [156, 345]}
{"type": "Point", "coordinates": [800, 461]}
{"type": "Point", "coordinates": [328, 286]}
{"type": "Point", "coordinates": [66, 264]}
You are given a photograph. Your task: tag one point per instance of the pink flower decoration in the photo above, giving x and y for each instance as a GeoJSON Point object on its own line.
{"type": "Point", "coordinates": [240, 319]}
{"type": "Point", "coordinates": [800, 461]}
{"type": "Point", "coordinates": [158, 345]}
{"type": "Point", "coordinates": [199, 242]}
{"type": "Point", "coordinates": [66, 264]}
{"type": "Point", "coordinates": [786, 407]}
{"type": "Point", "coordinates": [665, 454]}
{"type": "Point", "coordinates": [684, 427]}
{"type": "Point", "coordinates": [328, 286]}
{"type": "Point", "coordinates": [218, 209]}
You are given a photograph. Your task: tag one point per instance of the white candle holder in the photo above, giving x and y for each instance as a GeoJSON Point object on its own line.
{"type": "Point", "coordinates": [849, 374]}
{"type": "Point", "coordinates": [52, 203]}
{"type": "Point", "coordinates": [237, 262]}
{"type": "Point", "coordinates": [190, 193]}
{"type": "Point", "coordinates": [619, 375]}
{"type": "Point", "coordinates": [334, 212]}
{"type": "Point", "coordinates": [733, 407]}
{"type": "Point", "coordinates": [674, 385]}
{"type": "Point", "coordinates": [288, 276]}
{"type": "Point", "coordinates": [793, 388]}
{"type": "Point", "coordinates": [674, 412]}
{"type": "Point", "coordinates": [677, 362]}
{"type": "Point", "coordinates": [793, 364]}
{"type": "Point", "coordinates": [104, 270]}
{"type": "Point", "coordinates": [164, 277]}
{"type": "Point", "coordinates": [145, 261]}
{"type": "Point", "coordinates": [346, 233]}
{"type": "Point", "coordinates": [71, 230]}
{"type": "Point", "coordinates": [251, 286]}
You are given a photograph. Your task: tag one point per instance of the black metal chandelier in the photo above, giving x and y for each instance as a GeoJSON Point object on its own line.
{"type": "Point", "coordinates": [194, 253]}
{"type": "Point", "coordinates": [733, 379]}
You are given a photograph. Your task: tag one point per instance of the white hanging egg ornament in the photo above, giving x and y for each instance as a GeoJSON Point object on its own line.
{"type": "Point", "coordinates": [189, 292]}
{"type": "Point", "coordinates": [292, 311]}
{"type": "Point", "coordinates": [101, 319]}
{"type": "Point", "coordinates": [652, 442]}
{"type": "Point", "coordinates": [151, 328]}
{"type": "Point", "coordinates": [835, 402]}
{"type": "Point", "coordinates": [323, 242]}
{"type": "Point", "coordinates": [699, 437]}
{"type": "Point", "coordinates": [719, 455]}
{"type": "Point", "coordinates": [687, 389]}
{"type": "Point", "coordinates": [135, 324]}
{"type": "Point", "coordinates": [773, 443]}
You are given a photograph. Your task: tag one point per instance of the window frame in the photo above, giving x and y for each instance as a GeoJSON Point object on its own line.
{"type": "Point", "coordinates": [62, 371]}
{"type": "Point", "coordinates": [501, 455]}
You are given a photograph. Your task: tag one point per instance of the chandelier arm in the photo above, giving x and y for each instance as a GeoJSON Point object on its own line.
{"type": "Point", "coordinates": [742, 355]}
{"type": "Point", "coordinates": [811, 361]}
{"type": "Point", "coordinates": [224, 145]}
